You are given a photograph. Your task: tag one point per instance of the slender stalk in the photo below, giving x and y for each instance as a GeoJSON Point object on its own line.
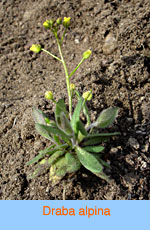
{"type": "Point", "coordinates": [67, 77]}
{"type": "Point", "coordinates": [51, 55]}
{"type": "Point", "coordinates": [76, 67]}
{"type": "Point", "coordinates": [62, 38]}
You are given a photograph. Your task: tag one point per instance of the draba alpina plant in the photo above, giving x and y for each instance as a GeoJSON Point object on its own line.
{"type": "Point", "coordinates": [72, 143]}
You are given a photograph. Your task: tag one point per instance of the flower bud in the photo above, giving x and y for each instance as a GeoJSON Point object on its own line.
{"type": "Point", "coordinates": [87, 95]}
{"type": "Point", "coordinates": [72, 86]}
{"type": "Point", "coordinates": [66, 22]}
{"type": "Point", "coordinates": [35, 48]}
{"type": "Point", "coordinates": [49, 95]}
{"type": "Point", "coordinates": [87, 54]}
{"type": "Point", "coordinates": [59, 21]}
{"type": "Point", "coordinates": [48, 24]}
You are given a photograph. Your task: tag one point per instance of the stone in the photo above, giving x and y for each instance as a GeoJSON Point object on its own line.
{"type": "Point", "coordinates": [133, 143]}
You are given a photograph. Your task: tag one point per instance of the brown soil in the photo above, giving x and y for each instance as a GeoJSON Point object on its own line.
{"type": "Point", "coordinates": [121, 78]}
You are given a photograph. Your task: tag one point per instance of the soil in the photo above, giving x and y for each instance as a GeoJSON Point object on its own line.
{"type": "Point", "coordinates": [119, 77]}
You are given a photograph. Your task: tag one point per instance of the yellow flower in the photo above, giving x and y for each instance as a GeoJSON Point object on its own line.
{"type": "Point", "coordinates": [66, 22]}
{"type": "Point", "coordinates": [59, 21]}
{"type": "Point", "coordinates": [87, 95]}
{"type": "Point", "coordinates": [87, 54]}
{"type": "Point", "coordinates": [49, 95]}
{"type": "Point", "coordinates": [35, 48]}
{"type": "Point", "coordinates": [72, 86]}
{"type": "Point", "coordinates": [48, 24]}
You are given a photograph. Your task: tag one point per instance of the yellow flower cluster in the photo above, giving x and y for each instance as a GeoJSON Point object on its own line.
{"type": "Point", "coordinates": [35, 48]}
{"type": "Point", "coordinates": [87, 95]}
{"type": "Point", "coordinates": [87, 54]}
{"type": "Point", "coordinates": [66, 22]}
{"type": "Point", "coordinates": [49, 95]}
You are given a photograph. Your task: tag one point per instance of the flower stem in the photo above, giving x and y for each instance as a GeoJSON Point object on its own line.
{"type": "Point", "coordinates": [63, 35]}
{"type": "Point", "coordinates": [82, 60]}
{"type": "Point", "coordinates": [67, 76]}
{"type": "Point", "coordinates": [51, 55]}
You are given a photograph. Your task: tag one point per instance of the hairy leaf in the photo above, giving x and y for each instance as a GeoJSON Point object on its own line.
{"type": "Point", "coordinates": [39, 116]}
{"type": "Point", "coordinates": [58, 170]}
{"type": "Point", "coordinates": [73, 164]}
{"type": "Point", "coordinates": [102, 135]}
{"type": "Point", "coordinates": [57, 139]}
{"type": "Point", "coordinates": [80, 127]}
{"type": "Point", "coordinates": [86, 113]}
{"type": "Point", "coordinates": [60, 107]}
{"type": "Point", "coordinates": [76, 115]}
{"type": "Point", "coordinates": [46, 131]}
{"type": "Point", "coordinates": [55, 156]}
{"type": "Point", "coordinates": [41, 154]}
{"type": "Point", "coordinates": [43, 131]}
{"type": "Point", "coordinates": [40, 169]}
{"type": "Point", "coordinates": [103, 176]}
{"type": "Point", "coordinates": [107, 117]}
{"type": "Point", "coordinates": [94, 149]}
{"type": "Point", "coordinates": [64, 124]}
{"type": "Point", "coordinates": [85, 109]}
{"type": "Point", "coordinates": [104, 163]}
{"type": "Point", "coordinates": [94, 141]}
{"type": "Point", "coordinates": [88, 160]}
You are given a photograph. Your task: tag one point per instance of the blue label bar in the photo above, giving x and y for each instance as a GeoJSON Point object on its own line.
{"type": "Point", "coordinates": [70, 215]}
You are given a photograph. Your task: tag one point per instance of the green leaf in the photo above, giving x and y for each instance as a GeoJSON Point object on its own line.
{"type": "Point", "coordinates": [60, 147]}
{"type": "Point", "coordinates": [107, 117]}
{"type": "Point", "coordinates": [64, 124]}
{"type": "Point", "coordinates": [39, 116]}
{"type": "Point", "coordinates": [55, 156]}
{"type": "Point", "coordinates": [102, 135]}
{"type": "Point", "coordinates": [98, 138]}
{"type": "Point", "coordinates": [76, 115]}
{"type": "Point", "coordinates": [103, 176]}
{"type": "Point", "coordinates": [61, 172]}
{"type": "Point", "coordinates": [80, 127]}
{"type": "Point", "coordinates": [85, 109]}
{"type": "Point", "coordinates": [86, 113]}
{"type": "Point", "coordinates": [60, 107]}
{"type": "Point", "coordinates": [88, 160]}
{"type": "Point", "coordinates": [50, 150]}
{"type": "Point", "coordinates": [94, 149]}
{"type": "Point", "coordinates": [43, 131]}
{"type": "Point", "coordinates": [104, 163]}
{"type": "Point", "coordinates": [77, 94]}
{"type": "Point", "coordinates": [94, 141]}
{"type": "Point", "coordinates": [56, 139]}
{"type": "Point", "coordinates": [73, 164]}
{"type": "Point", "coordinates": [46, 131]}
{"type": "Point", "coordinates": [48, 121]}
{"type": "Point", "coordinates": [41, 168]}
{"type": "Point", "coordinates": [58, 170]}
{"type": "Point", "coordinates": [66, 164]}
{"type": "Point", "coordinates": [41, 154]}
{"type": "Point", "coordinates": [98, 156]}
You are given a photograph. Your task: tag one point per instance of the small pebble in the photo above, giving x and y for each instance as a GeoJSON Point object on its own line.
{"type": "Point", "coordinates": [77, 41]}
{"type": "Point", "coordinates": [133, 143]}
{"type": "Point", "coordinates": [143, 165]}
{"type": "Point", "coordinates": [145, 148]}
{"type": "Point", "coordinates": [113, 150]}
{"type": "Point", "coordinates": [110, 44]}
